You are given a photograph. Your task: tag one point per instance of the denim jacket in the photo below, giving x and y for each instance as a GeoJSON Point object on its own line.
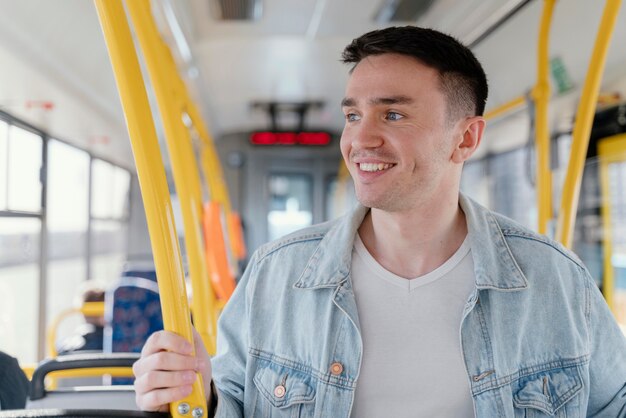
{"type": "Point", "coordinates": [537, 337]}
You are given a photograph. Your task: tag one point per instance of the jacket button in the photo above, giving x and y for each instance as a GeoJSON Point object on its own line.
{"type": "Point", "coordinates": [279, 391]}
{"type": "Point", "coordinates": [336, 368]}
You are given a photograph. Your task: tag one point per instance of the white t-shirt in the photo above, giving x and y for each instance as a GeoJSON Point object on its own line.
{"type": "Point", "coordinates": [412, 362]}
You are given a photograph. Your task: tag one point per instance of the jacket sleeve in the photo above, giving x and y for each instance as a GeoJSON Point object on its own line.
{"type": "Point", "coordinates": [229, 364]}
{"type": "Point", "coordinates": [607, 364]}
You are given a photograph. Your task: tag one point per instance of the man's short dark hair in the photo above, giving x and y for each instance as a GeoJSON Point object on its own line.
{"type": "Point", "coordinates": [463, 80]}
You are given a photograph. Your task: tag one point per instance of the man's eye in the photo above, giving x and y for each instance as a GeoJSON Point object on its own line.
{"type": "Point", "coordinates": [352, 117]}
{"type": "Point", "coordinates": [394, 116]}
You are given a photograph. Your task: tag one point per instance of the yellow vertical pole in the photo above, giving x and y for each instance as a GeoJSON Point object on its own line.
{"type": "Point", "coordinates": [582, 126]}
{"type": "Point", "coordinates": [184, 166]}
{"type": "Point", "coordinates": [210, 164]}
{"type": "Point", "coordinates": [218, 187]}
{"type": "Point", "coordinates": [151, 174]}
{"type": "Point", "coordinates": [541, 95]}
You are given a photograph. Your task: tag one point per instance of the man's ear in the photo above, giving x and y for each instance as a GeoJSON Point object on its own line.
{"type": "Point", "coordinates": [471, 134]}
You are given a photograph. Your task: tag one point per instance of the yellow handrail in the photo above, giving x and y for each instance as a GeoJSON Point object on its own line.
{"type": "Point", "coordinates": [28, 369]}
{"type": "Point", "coordinates": [541, 96]}
{"type": "Point", "coordinates": [610, 150]}
{"type": "Point", "coordinates": [582, 126]}
{"type": "Point", "coordinates": [151, 174]}
{"type": "Point", "coordinates": [92, 372]}
{"type": "Point", "coordinates": [184, 167]}
{"type": "Point", "coordinates": [88, 309]}
{"type": "Point", "coordinates": [506, 108]}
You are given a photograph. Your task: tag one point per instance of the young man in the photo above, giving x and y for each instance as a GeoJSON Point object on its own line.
{"type": "Point", "coordinates": [420, 303]}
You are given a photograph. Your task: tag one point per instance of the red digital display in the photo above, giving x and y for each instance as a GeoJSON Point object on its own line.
{"type": "Point", "coordinates": [290, 138]}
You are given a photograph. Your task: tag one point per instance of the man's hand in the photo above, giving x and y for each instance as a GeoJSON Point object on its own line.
{"type": "Point", "coordinates": [167, 369]}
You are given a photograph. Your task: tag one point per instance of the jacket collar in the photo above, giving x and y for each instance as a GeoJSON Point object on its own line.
{"type": "Point", "coordinates": [330, 264]}
{"type": "Point", "coordinates": [495, 266]}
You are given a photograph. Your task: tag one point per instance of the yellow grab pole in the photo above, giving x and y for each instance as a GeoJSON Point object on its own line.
{"type": "Point", "coordinates": [151, 174]}
{"type": "Point", "coordinates": [215, 176]}
{"type": "Point", "coordinates": [184, 166]}
{"type": "Point", "coordinates": [582, 126]}
{"type": "Point", "coordinates": [541, 96]}
{"type": "Point", "coordinates": [506, 107]}
{"type": "Point", "coordinates": [209, 159]}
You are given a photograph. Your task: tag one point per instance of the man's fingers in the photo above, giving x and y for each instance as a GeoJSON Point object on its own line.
{"type": "Point", "coordinates": [164, 361]}
{"type": "Point", "coordinates": [166, 341]}
{"type": "Point", "coordinates": [157, 400]}
{"type": "Point", "coordinates": [164, 380]}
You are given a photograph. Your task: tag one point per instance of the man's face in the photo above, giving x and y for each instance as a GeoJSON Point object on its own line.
{"type": "Point", "coordinates": [397, 141]}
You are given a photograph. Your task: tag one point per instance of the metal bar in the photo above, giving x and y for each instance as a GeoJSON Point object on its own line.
{"type": "Point", "coordinates": [151, 173]}
{"type": "Point", "coordinates": [12, 120]}
{"type": "Point", "coordinates": [43, 255]}
{"type": "Point", "coordinates": [88, 246]}
{"type": "Point", "coordinates": [19, 214]}
{"type": "Point", "coordinates": [582, 127]}
{"type": "Point", "coordinates": [496, 25]}
{"type": "Point", "coordinates": [161, 68]}
{"type": "Point", "coordinates": [541, 96]}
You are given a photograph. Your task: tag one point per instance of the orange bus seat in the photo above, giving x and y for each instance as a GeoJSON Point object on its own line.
{"type": "Point", "coordinates": [215, 246]}
{"type": "Point", "coordinates": [235, 229]}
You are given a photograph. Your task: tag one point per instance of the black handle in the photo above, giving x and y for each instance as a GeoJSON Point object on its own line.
{"type": "Point", "coordinates": [76, 361]}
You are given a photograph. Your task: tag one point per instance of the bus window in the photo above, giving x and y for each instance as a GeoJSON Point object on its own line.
{"type": "Point", "coordinates": [4, 155]}
{"type": "Point", "coordinates": [340, 197]}
{"type": "Point", "coordinates": [24, 164]}
{"type": "Point", "coordinates": [108, 247]}
{"type": "Point", "coordinates": [513, 194]}
{"type": "Point", "coordinates": [617, 186]}
{"type": "Point", "coordinates": [109, 220]}
{"type": "Point", "coordinates": [290, 203]}
{"type": "Point", "coordinates": [67, 223]}
{"type": "Point", "coordinates": [19, 279]}
{"type": "Point", "coordinates": [110, 185]}
{"type": "Point", "coordinates": [475, 182]}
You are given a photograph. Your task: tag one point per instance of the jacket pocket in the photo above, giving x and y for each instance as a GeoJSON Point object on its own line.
{"type": "Point", "coordinates": [550, 393]}
{"type": "Point", "coordinates": [283, 391]}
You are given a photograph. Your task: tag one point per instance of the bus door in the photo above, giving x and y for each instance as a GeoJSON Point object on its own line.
{"type": "Point", "coordinates": [286, 194]}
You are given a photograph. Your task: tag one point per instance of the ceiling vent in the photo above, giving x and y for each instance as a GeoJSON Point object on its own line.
{"type": "Point", "coordinates": [237, 9]}
{"type": "Point", "coordinates": [402, 10]}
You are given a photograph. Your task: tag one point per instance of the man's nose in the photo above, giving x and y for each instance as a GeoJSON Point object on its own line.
{"type": "Point", "coordinates": [368, 134]}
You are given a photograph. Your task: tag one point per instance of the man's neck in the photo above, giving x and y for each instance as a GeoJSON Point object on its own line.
{"type": "Point", "coordinates": [413, 243]}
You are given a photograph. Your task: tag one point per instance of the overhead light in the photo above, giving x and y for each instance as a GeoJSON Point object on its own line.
{"type": "Point", "coordinates": [402, 10]}
{"type": "Point", "coordinates": [237, 9]}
